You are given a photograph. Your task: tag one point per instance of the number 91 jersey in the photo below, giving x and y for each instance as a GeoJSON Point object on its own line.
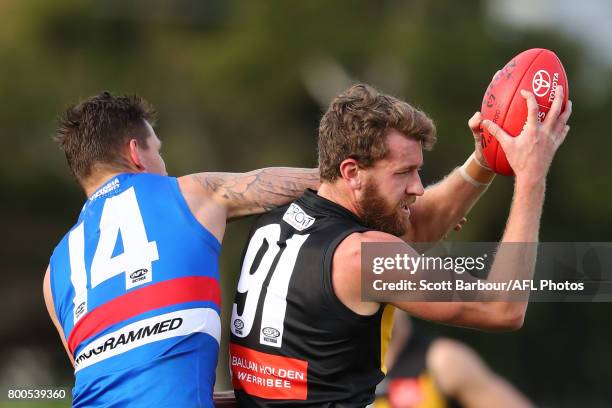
{"type": "Point", "coordinates": [135, 285]}
{"type": "Point", "coordinates": [293, 342]}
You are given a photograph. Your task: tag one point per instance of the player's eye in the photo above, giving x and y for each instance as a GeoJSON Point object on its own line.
{"type": "Point", "coordinates": [410, 170]}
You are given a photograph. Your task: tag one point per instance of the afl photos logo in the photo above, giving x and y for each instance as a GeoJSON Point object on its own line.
{"type": "Point", "coordinates": [541, 83]}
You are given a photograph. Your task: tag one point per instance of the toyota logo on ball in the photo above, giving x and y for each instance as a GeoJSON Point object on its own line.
{"type": "Point", "coordinates": [541, 83]}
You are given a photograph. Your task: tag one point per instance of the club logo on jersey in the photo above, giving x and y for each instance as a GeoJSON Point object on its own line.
{"type": "Point", "coordinates": [238, 325]}
{"type": "Point", "coordinates": [138, 275]}
{"type": "Point", "coordinates": [297, 218]}
{"type": "Point", "coordinates": [80, 310]}
{"type": "Point", "coordinates": [270, 332]}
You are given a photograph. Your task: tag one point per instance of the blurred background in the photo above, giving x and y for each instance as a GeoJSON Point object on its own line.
{"type": "Point", "coordinates": [241, 85]}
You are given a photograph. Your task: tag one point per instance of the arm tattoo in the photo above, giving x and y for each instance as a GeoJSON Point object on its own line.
{"type": "Point", "coordinates": [259, 190]}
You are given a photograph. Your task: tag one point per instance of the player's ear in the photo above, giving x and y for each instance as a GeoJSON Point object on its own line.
{"type": "Point", "coordinates": [134, 154]}
{"type": "Point", "coordinates": [349, 171]}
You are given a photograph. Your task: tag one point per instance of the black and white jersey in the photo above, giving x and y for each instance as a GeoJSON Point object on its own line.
{"type": "Point", "coordinates": [293, 342]}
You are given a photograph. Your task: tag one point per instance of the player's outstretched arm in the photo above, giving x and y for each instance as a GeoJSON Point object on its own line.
{"type": "Point", "coordinates": [257, 191]}
{"type": "Point", "coordinates": [445, 203]}
{"type": "Point", "coordinates": [215, 198]}
{"type": "Point", "coordinates": [530, 155]}
{"type": "Point", "coordinates": [492, 316]}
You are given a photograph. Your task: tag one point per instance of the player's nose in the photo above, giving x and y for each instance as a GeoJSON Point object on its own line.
{"type": "Point", "coordinates": [415, 186]}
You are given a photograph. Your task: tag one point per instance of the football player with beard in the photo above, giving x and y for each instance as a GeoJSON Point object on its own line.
{"type": "Point", "coordinates": [301, 333]}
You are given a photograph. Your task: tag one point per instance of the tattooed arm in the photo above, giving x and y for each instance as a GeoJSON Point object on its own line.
{"type": "Point", "coordinates": [215, 198]}
{"type": "Point", "coordinates": [259, 190]}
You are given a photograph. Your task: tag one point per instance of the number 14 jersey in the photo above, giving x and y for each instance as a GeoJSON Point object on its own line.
{"type": "Point", "coordinates": [135, 285]}
{"type": "Point", "coordinates": [293, 342]}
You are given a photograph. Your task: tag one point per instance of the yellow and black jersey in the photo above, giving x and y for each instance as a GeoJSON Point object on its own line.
{"type": "Point", "coordinates": [409, 384]}
{"type": "Point", "coordinates": [293, 342]}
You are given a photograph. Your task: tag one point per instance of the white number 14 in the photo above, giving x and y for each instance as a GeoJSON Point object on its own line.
{"type": "Point", "coordinates": [120, 215]}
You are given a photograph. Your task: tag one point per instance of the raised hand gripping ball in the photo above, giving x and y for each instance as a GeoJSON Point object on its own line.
{"type": "Point", "coordinates": [536, 70]}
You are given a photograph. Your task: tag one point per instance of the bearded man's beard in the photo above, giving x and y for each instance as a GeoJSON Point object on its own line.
{"type": "Point", "coordinates": [376, 214]}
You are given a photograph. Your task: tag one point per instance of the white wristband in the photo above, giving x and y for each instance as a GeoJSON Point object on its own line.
{"type": "Point", "coordinates": [486, 167]}
{"type": "Point", "coordinates": [470, 179]}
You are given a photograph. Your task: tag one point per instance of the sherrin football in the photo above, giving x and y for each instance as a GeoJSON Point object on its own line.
{"type": "Point", "coordinates": [536, 70]}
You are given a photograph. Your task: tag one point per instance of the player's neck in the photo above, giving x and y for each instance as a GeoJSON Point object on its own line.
{"type": "Point", "coordinates": [340, 195]}
{"type": "Point", "coordinates": [98, 179]}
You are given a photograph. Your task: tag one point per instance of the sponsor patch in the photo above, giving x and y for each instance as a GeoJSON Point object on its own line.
{"type": "Point", "coordinates": [541, 83]}
{"type": "Point", "coordinates": [268, 376]}
{"type": "Point", "coordinates": [109, 187]}
{"type": "Point", "coordinates": [179, 323]}
{"type": "Point", "coordinates": [297, 218]}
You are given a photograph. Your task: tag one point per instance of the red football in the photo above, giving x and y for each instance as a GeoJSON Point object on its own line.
{"type": "Point", "coordinates": [538, 71]}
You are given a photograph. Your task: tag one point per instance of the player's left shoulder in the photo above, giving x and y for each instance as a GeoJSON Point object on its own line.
{"type": "Point", "coordinates": [348, 252]}
{"type": "Point", "coordinates": [373, 236]}
{"type": "Point", "coordinates": [346, 270]}
{"type": "Point", "coordinates": [191, 183]}
{"type": "Point", "coordinates": [196, 191]}
{"type": "Point", "coordinates": [210, 213]}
